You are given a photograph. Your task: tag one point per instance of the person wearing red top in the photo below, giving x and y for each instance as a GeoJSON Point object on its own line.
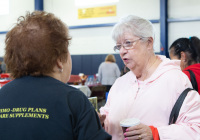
{"type": "Point", "coordinates": [188, 51]}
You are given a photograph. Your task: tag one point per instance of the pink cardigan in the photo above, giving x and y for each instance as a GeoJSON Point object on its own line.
{"type": "Point", "coordinates": [151, 101]}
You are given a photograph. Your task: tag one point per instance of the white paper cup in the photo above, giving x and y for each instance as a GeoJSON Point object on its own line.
{"type": "Point", "coordinates": [128, 123]}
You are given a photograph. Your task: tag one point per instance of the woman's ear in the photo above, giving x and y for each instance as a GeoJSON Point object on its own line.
{"type": "Point", "coordinates": [183, 60]}
{"type": "Point", "coordinates": [59, 64]}
{"type": "Point", "coordinates": [150, 43]}
{"type": "Point", "coordinates": [183, 57]}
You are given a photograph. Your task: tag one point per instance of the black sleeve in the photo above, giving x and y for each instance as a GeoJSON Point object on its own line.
{"type": "Point", "coordinates": [91, 129]}
{"type": "Point", "coordinates": [87, 123]}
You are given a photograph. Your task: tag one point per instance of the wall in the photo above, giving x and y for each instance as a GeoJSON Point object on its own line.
{"type": "Point", "coordinates": [68, 12]}
{"type": "Point", "coordinates": [98, 40]}
{"type": "Point", "coordinates": [85, 40]}
{"type": "Point", "coordinates": [184, 19]}
{"type": "Point", "coordinates": [89, 64]}
{"type": "Point", "coordinates": [89, 46]}
{"type": "Point", "coordinates": [95, 43]}
{"type": "Point", "coordinates": [17, 8]}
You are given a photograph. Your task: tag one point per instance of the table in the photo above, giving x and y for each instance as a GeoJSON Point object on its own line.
{"type": "Point", "coordinates": [85, 89]}
{"type": "Point", "coordinates": [99, 91]}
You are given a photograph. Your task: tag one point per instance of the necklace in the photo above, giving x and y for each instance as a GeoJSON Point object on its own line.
{"type": "Point", "coordinates": [145, 75]}
{"type": "Point", "coordinates": [149, 68]}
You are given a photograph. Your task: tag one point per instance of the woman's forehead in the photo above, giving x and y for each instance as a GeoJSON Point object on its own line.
{"type": "Point", "coordinates": [125, 36]}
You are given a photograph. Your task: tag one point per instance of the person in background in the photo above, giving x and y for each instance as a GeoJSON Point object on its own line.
{"type": "Point", "coordinates": [149, 90]}
{"type": "Point", "coordinates": [38, 104]}
{"type": "Point", "coordinates": [188, 51]}
{"type": "Point", "coordinates": [108, 72]}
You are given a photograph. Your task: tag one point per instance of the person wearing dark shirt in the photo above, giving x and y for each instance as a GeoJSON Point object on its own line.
{"type": "Point", "coordinates": [188, 51]}
{"type": "Point", "coordinates": [38, 104]}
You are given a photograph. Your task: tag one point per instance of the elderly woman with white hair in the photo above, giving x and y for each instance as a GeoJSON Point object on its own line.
{"type": "Point", "coordinates": [149, 91]}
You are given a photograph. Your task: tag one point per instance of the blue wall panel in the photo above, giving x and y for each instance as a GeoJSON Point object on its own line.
{"type": "Point", "coordinates": [39, 5]}
{"type": "Point", "coordinates": [96, 61]}
{"type": "Point", "coordinates": [76, 64]}
{"type": "Point", "coordinates": [119, 61]}
{"type": "Point", "coordinates": [164, 27]}
{"type": "Point", "coordinates": [89, 64]}
{"type": "Point", "coordinates": [86, 64]}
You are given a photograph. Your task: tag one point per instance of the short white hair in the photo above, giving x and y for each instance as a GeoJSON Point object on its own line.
{"type": "Point", "coordinates": [135, 25]}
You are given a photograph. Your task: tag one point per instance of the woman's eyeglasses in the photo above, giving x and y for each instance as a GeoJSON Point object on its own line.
{"type": "Point", "coordinates": [126, 45]}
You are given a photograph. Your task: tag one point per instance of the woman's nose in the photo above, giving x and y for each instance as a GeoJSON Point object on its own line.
{"type": "Point", "coordinates": [122, 50]}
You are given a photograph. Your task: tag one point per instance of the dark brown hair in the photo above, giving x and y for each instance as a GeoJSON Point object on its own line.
{"type": "Point", "coordinates": [191, 46]}
{"type": "Point", "coordinates": [110, 58]}
{"type": "Point", "coordinates": [35, 43]}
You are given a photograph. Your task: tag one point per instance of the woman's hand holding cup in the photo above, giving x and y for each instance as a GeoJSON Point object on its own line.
{"type": "Point", "coordinates": [138, 132]}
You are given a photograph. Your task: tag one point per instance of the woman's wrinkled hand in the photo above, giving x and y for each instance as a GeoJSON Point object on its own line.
{"type": "Point", "coordinates": [101, 117]}
{"type": "Point", "coordinates": [138, 132]}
